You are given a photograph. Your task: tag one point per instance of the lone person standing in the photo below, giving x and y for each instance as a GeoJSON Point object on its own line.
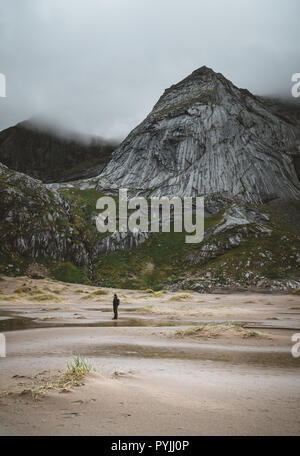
{"type": "Point", "coordinates": [116, 303]}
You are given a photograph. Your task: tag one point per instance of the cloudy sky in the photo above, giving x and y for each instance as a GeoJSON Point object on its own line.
{"type": "Point", "coordinates": [98, 66]}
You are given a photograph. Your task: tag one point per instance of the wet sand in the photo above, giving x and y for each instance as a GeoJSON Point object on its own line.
{"type": "Point", "coordinates": [149, 381]}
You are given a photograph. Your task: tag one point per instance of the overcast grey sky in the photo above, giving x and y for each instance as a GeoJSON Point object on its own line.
{"type": "Point", "coordinates": [98, 66]}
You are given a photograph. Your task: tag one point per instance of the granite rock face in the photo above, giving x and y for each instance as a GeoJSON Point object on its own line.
{"type": "Point", "coordinates": [237, 216]}
{"type": "Point", "coordinates": [119, 241]}
{"type": "Point", "coordinates": [205, 136]}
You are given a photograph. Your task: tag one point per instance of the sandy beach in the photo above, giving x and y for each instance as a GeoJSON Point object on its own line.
{"type": "Point", "coordinates": [173, 364]}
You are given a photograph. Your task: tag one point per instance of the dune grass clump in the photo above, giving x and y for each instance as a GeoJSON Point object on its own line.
{"type": "Point", "coordinates": [159, 293]}
{"type": "Point", "coordinates": [213, 330]}
{"type": "Point", "coordinates": [195, 330]}
{"type": "Point", "coordinates": [40, 293]}
{"type": "Point", "coordinates": [94, 294]}
{"type": "Point", "coordinates": [251, 334]}
{"type": "Point", "coordinates": [7, 297]}
{"type": "Point", "coordinates": [77, 369]}
{"type": "Point", "coordinates": [46, 297]}
{"type": "Point", "coordinates": [151, 294]}
{"type": "Point", "coordinates": [100, 292]}
{"type": "Point", "coordinates": [55, 290]}
{"type": "Point", "coordinates": [181, 297]}
{"type": "Point", "coordinates": [146, 309]}
{"type": "Point", "coordinates": [169, 310]}
{"type": "Point", "coordinates": [23, 289]}
{"type": "Point", "coordinates": [72, 377]}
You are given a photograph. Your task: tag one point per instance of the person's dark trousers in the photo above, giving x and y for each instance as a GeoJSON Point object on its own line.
{"type": "Point", "coordinates": [116, 312]}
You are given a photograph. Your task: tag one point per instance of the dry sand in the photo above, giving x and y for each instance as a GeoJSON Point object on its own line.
{"type": "Point", "coordinates": [151, 378]}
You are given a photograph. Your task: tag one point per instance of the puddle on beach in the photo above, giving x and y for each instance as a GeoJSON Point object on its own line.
{"type": "Point", "coordinates": [15, 323]}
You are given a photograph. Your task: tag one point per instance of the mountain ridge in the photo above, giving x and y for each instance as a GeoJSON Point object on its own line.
{"type": "Point", "coordinates": [42, 153]}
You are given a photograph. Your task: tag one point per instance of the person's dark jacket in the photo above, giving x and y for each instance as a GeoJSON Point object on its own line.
{"type": "Point", "coordinates": [116, 301]}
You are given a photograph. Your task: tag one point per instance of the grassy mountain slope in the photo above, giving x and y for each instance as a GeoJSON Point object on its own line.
{"type": "Point", "coordinates": [238, 256]}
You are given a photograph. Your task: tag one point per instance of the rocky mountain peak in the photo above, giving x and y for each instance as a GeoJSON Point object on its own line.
{"type": "Point", "coordinates": [202, 84]}
{"type": "Point", "coordinates": [206, 136]}
{"type": "Point", "coordinates": [199, 76]}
